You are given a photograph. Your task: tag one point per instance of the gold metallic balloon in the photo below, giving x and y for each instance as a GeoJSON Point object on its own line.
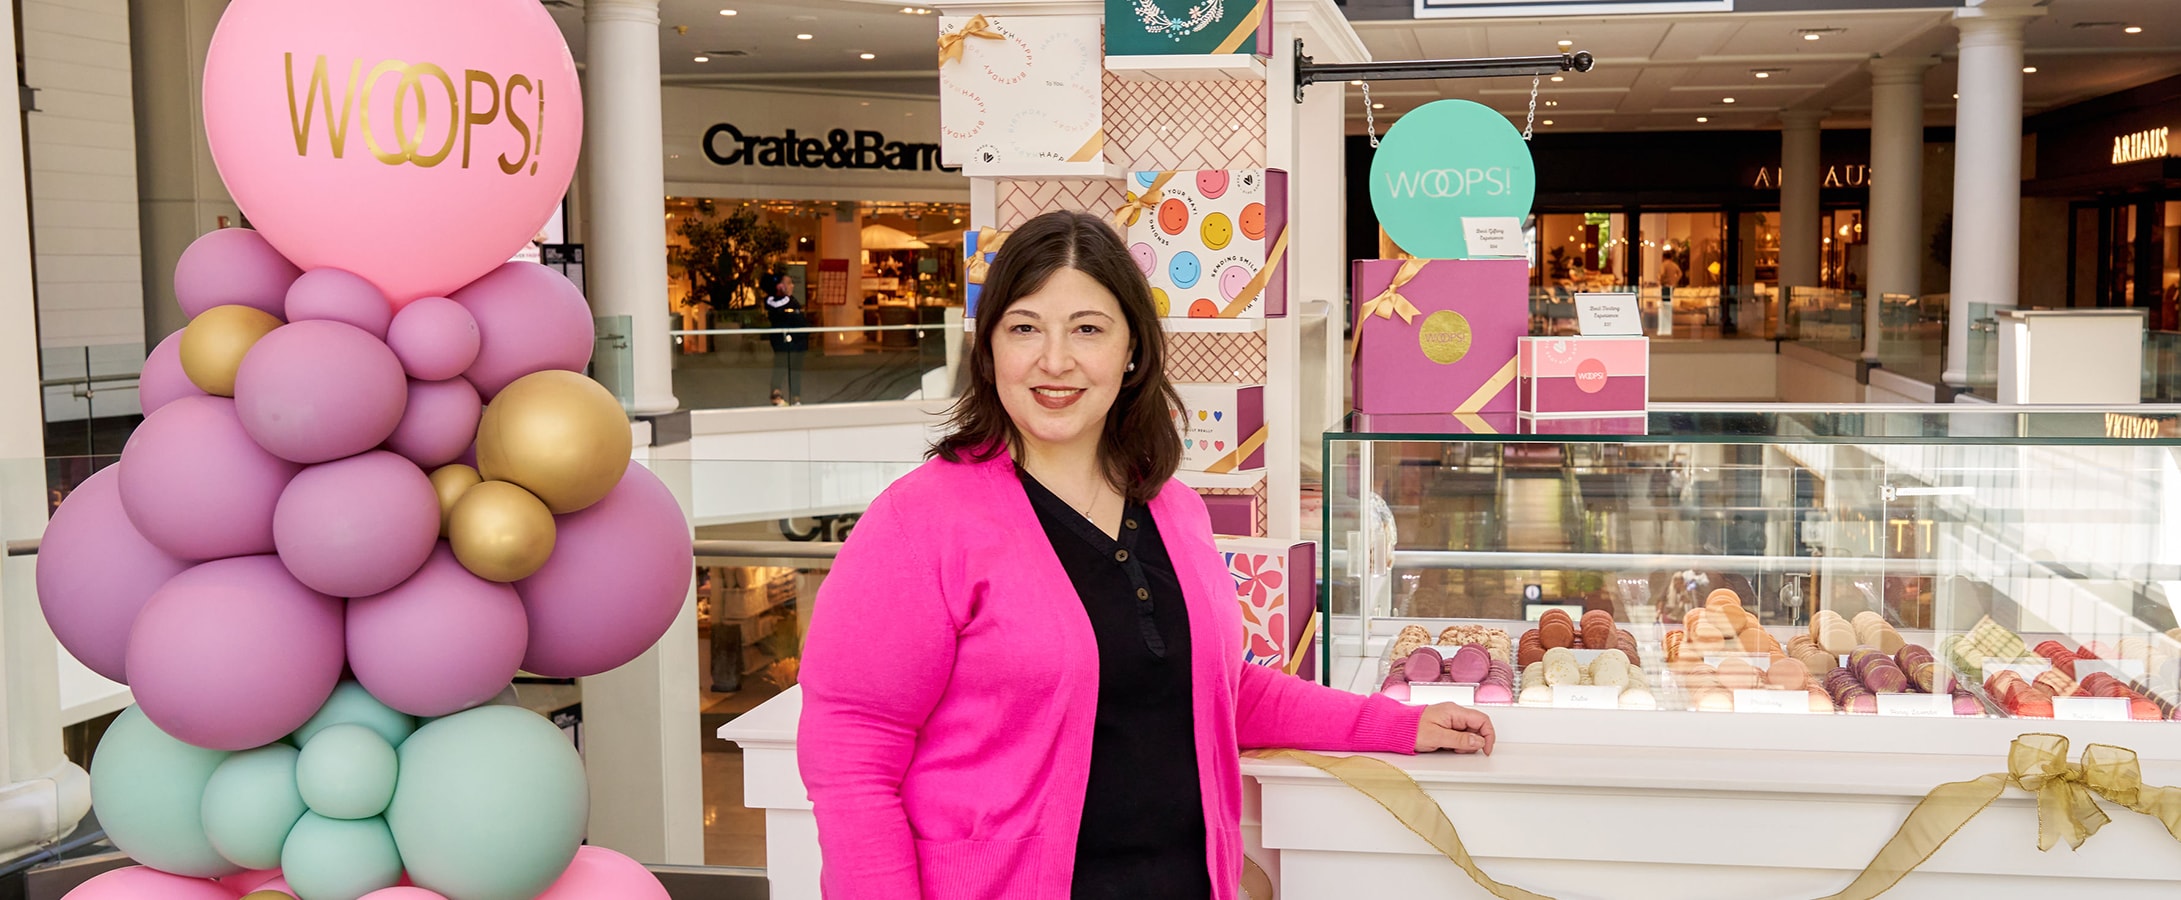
{"type": "Point", "coordinates": [500, 532]}
{"type": "Point", "coordinates": [450, 482]}
{"type": "Point", "coordinates": [559, 435]}
{"type": "Point", "coordinates": [215, 341]}
{"type": "Point", "coordinates": [267, 895]}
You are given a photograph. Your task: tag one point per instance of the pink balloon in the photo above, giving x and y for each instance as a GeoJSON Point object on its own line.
{"type": "Point", "coordinates": [196, 486]}
{"type": "Point", "coordinates": [530, 319]}
{"type": "Point", "coordinates": [441, 642]}
{"type": "Point", "coordinates": [421, 197]}
{"type": "Point", "coordinates": [245, 882]}
{"type": "Point", "coordinates": [403, 893]}
{"type": "Point", "coordinates": [436, 338]}
{"type": "Point", "coordinates": [235, 653]}
{"type": "Point", "coordinates": [95, 571]}
{"type": "Point", "coordinates": [357, 526]}
{"type": "Point", "coordinates": [339, 296]}
{"type": "Point", "coordinates": [162, 381]}
{"type": "Point", "coordinates": [233, 267]}
{"type": "Point", "coordinates": [146, 883]}
{"type": "Point", "coordinates": [316, 391]}
{"type": "Point", "coordinates": [439, 423]}
{"type": "Point", "coordinates": [619, 572]}
{"type": "Point", "coordinates": [601, 874]}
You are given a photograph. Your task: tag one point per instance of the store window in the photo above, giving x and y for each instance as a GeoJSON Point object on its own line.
{"type": "Point", "coordinates": [1580, 252]}
{"type": "Point", "coordinates": [1682, 250]}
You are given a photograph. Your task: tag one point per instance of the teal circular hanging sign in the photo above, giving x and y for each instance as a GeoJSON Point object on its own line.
{"type": "Point", "coordinates": [1448, 161]}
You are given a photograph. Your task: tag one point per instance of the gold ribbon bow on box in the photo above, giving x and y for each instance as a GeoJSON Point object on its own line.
{"type": "Point", "coordinates": [1388, 303]}
{"type": "Point", "coordinates": [1129, 213]}
{"type": "Point", "coordinates": [951, 45]}
{"type": "Point", "coordinates": [977, 265]}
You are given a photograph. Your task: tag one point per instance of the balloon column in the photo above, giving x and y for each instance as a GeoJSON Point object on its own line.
{"type": "Point", "coordinates": [371, 484]}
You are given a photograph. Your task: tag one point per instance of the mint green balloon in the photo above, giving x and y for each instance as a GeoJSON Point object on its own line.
{"type": "Point", "coordinates": [250, 805]}
{"type": "Point", "coordinates": [339, 859]}
{"type": "Point", "coordinates": [1446, 161]}
{"type": "Point", "coordinates": [352, 705]}
{"type": "Point", "coordinates": [491, 804]}
{"type": "Point", "coordinates": [346, 772]}
{"type": "Point", "coordinates": [148, 789]}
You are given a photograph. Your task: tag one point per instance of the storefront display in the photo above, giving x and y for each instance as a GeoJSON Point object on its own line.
{"type": "Point", "coordinates": [1020, 92]}
{"type": "Point", "coordinates": [1213, 242]}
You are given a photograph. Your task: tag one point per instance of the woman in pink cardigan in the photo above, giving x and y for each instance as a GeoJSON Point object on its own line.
{"type": "Point", "coordinates": [1024, 676]}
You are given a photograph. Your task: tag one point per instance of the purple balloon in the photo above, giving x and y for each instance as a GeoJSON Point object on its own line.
{"type": "Point", "coordinates": [529, 319]}
{"type": "Point", "coordinates": [235, 653]}
{"type": "Point", "coordinates": [439, 423]}
{"type": "Point", "coordinates": [162, 381]}
{"type": "Point", "coordinates": [196, 486]}
{"type": "Point", "coordinates": [619, 572]}
{"type": "Point", "coordinates": [441, 642]}
{"type": "Point", "coordinates": [317, 391]}
{"type": "Point", "coordinates": [339, 296]}
{"type": "Point", "coordinates": [357, 526]}
{"type": "Point", "coordinates": [233, 266]}
{"type": "Point", "coordinates": [435, 337]}
{"type": "Point", "coordinates": [95, 571]}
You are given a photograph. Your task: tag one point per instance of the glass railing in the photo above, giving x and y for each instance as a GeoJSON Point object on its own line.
{"type": "Point", "coordinates": [1825, 319]}
{"type": "Point", "coordinates": [1912, 335]}
{"type": "Point", "coordinates": [723, 368]}
{"type": "Point", "coordinates": [1683, 313]}
{"type": "Point", "coordinates": [2162, 367]}
{"type": "Point", "coordinates": [1981, 365]}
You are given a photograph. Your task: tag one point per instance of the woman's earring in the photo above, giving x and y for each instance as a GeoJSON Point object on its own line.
{"type": "Point", "coordinates": [1132, 367]}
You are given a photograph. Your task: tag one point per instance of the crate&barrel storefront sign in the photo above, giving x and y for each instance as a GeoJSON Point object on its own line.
{"type": "Point", "coordinates": [841, 148]}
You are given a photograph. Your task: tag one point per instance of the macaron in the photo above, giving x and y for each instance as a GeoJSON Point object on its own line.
{"type": "Point", "coordinates": [1468, 664]}
{"type": "Point", "coordinates": [1737, 675]}
{"type": "Point", "coordinates": [1422, 665]}
{"type": "Point", "coordinates": [1714, 701]}
{"type": "Point", "coordinates": [1638, 697]}
{"type": "Point", "coordinates": [1721, 599]}
{"type": "Point", "coordinates": [1965, 704]}
{"type": "Point", "coordinates": [1494, 693]}
{"type": "Point", "coordinates": [1396, 691]}
{"type": "Point", "coordinates": [1556, 632]}
{"type": "Point", "coordinates": [1820, 702]}
{"type": "Point", "coordinates": [1787, 674]}
{"type": "Point", "coordinates": [1529, 654]}
{"type": "Point", "coordinates": [1535, 694]}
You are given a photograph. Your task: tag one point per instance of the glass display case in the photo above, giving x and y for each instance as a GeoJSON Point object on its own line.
{"type": "Point", "coordinates": [1946, 563]}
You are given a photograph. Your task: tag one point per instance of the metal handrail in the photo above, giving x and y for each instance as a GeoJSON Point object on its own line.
{"type": "Point", "coordinates": [825, 330]}
{"type": "Point", "coordinates": [713, 548]}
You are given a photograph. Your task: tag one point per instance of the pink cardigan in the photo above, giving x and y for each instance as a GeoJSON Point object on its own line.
{"type": "Point", "coordinates": [950, 680]}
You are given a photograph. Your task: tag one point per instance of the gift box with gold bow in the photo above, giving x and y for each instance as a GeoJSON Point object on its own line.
{"type": "Point", "coordinates": [1438, 338]}
{"type": "Point", "coordinates": [979, 246]}
{"type": "Point", "coordinates": [1212, 242]}
{"type": "Point", "coordinates": [1188, 27]}
{"type": "Point", "coordinates": [1020, 90]}
{"type": "Point", "coordinates": [1222, 427]}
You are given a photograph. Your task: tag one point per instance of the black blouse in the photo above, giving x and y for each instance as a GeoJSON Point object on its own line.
{"type": "Point", "coordinates": [1142, 834]}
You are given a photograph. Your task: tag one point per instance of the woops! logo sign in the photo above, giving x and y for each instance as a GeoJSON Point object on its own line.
{"type": "Point", "coordinates": [1439, 184]}
{"type": "Point", "coordinates": [1449, 160]}
{"type": "Point", "coordinates": [415, 135]}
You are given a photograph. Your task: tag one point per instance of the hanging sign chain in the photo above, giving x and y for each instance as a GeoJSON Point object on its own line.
{"type": "Point", "coordinates": [1531, 122]}
{"type": "Point", "coordinates": [1370, 121]}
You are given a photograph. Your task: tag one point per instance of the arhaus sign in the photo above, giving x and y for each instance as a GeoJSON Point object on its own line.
{"type": "Point", "coordinates": [726, 145]}
{"type": "Point", "coordinates": [2137, 147]}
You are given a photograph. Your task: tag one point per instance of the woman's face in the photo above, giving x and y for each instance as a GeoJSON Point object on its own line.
{"type": "Point", "coordinates": [1059, 357]}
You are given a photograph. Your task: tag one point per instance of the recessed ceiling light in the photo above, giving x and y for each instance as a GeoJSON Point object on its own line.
{"type": "Point", "coordinates": [1812, 36]}
{"type": "Point", "coordinates": [1378, 106]}
{"type": "Point", "coordinates": [702, 59]}
{"type": "Point", "coordinates": [1356, 83]}
{"type": "Point", "coordinates": [1726, 99]}
{"type": "Point", "coordinates": [802, 37]}
{"type": "Point", "coordinates": [1957, 96]}
{"type": "Point", "coordinates": [866, 56]}
{"type": "Point", "coordinates": [1764, 74]}
{"type": "Point", "coordinates": [2133, 29]}
{"type": "Point", "coordinates": [2029, 70]}
{"type": "Point", "coordinates": [863, 103]}
{"type": "Point", "coordinates": [1559, 78]}
{"type": "Point", "coordinates": [1548, 121]}
{"type": "Point", "coordinates": [1702, 119]}
{"type": "Point", "coordinates": [1566, 44]}
{"type": "Point", "coordinates": [726, 12]}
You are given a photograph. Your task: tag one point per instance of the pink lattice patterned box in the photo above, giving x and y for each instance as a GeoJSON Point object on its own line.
{"type": "Point", "coordinates": [1276, 584]}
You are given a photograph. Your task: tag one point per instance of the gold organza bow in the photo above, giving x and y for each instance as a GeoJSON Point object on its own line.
{"type": "Point", "coordinates": [950, 45]}
{"type": "Point", "coordinates": [1388, 303]}
{"type": "Point", "coordinates": [1128, 213]}
{"type": "Point", "coordinates": [979, 264]}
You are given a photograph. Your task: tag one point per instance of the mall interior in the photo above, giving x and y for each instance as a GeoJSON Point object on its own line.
{"type": "Point", "coordinates": [1757, 440]}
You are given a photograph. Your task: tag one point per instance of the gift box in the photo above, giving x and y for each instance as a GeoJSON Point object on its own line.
{"type": "Point", "coordinates": [1276, 584]}
{"type": "Point", "coordinates": [1583, 376]}
{"type": "Point", "coordinates": [1212, 242]}
{"type": "Point", "coordinates": [1529, 424]}
{"type": "Point", "coordinates": [1222, 427]}
{"type": "Point", "coordinates": [979, 246]}
{"type": "Point", "coordinates": [1232, 512]}
{"type": "Point", "coordinates": [1188, 27]}
{"type": "Point", "coordinates": [1439, 337]}
{"type": "Point", "coordinates": [1016, 91]}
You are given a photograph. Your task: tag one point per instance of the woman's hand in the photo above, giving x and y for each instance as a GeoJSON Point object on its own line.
{"type": "Point", "coordinates": [1450, 726]}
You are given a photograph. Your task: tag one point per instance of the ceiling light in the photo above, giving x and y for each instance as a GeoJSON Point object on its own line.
{"type": "Point", "coordinates": [1702, 119]}
{"type": "Point", "coordinates": [702, 59]}
{"type": "Point", "coordinates": [1764, 74]}
{"type": "Point", "coordinates": [1548, 121]}
{"type": "Point", "coordinates": [1356, 83]}
{"type": "Point", "coordinates": [1726, 100]}
{"type": "Point", "coordinates": [1559, 78]}
{"type": "Point", "coordinates": [1378, 106]}
{"type": "Point", "coordinates": [1811, 37]}
{"type": "Point", "coordinates": [2133, 29]}
{"type": "Point", "coordinates": [726, 12]}
{"type": "Point", "coordinates": [1566, 44]}
{"type": "Point", "coordinates": [1957, 96]}
{"type": "Point", "coordinates": [2029, 70]}
{"type": "Point", "coordinates": [866, 56]}
{"type": "Point", "coordinates": [802, 37]}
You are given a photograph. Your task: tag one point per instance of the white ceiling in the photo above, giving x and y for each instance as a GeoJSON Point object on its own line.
{"type": "Point", "coordinates": [757, 45]}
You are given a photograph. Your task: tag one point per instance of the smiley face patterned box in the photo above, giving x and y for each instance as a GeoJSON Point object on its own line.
{"type": "Point", "coordinates": [1213, 242]}
{"type": "Point", "coordinates": [1222, 427]}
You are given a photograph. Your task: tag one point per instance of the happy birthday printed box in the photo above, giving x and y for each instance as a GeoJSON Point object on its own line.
{"type": "Point", "coordinates": [1222, 426]}
{"type": "Point", "coordinates": [1020, 91]}
{"type": "Point", "coordinates": [1584, 376]}
{"type": "Point", "coordinates": [1213, 242]}
{"type": "Point", "coordinates": [1438, 337]}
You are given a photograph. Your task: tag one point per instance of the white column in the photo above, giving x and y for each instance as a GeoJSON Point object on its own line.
{"type": "Point", "coordinates": [1897, 163]}
{"type": "Point", "coordinates": [1987, 173]}
{"type": "Point", "coordinates": [626, 253]}
{"type": "Point", "coordinates": [1800, 177]}
{"type": "Point", "coordinates": [179, 193]}
{"type": "Point", "coordinates": [1283, 337]}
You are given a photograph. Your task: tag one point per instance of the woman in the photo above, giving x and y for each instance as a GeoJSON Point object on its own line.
{"type": "Point", "coordinates": [783, 310]}
{"type": "Point", "coordinates": [1023, 677]}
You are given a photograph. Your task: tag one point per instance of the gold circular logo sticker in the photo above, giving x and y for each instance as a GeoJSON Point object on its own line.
{"type": "Point", "coordinates": [1445, 337]}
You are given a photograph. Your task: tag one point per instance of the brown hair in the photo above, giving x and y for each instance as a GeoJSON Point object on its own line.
{"type": "Point", "coordinates": [1140, 448]}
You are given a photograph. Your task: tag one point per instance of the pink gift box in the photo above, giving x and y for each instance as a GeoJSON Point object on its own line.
{"type": "Point", "coordinates": [1438, 336]}
{"type": "Point", "coordinates": [1584, 376]}
{"type": "Point", "coordinates": [1529, 424]}
{"type": "Point", "coordinates": [1276, 584]}
{"type": "Point", "coordinates": [1234, 514]}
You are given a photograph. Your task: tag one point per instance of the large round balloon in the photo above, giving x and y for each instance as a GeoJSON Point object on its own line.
{"type": "Point", "coordinates": [617, 578]}
{"type": "Point", "coordinates": [250, 805]}
{"type": "Point", "coordinates": [339, 859]}
{"type": "Point", "coordinates": [339, 296]}
{"type": "Point", "coordinates": [500, 532]}
{"type": "Point", "coordinates": [417, 143]}
{"type": "Point", "coordinates": [162, 380]}
{"type": "Point", "coordinates": [601, 874]}
{"type": "Point", "coordinates": [441, 642]}
{"type": "Point", "coordinates": [405, 892]}
{"type": "Point", "coordinates": [317, 391]}
{"type": "Point", "coordinates": [232, 266]}
{"type": "Point", "coordinates": [491, 804]}
{"type": "Point", "coordinates": [197, 486]}
{"type": "Point", "coordinates": [235, 653]}
{"type": "Point", "coordinates": [435, 337]}
{"type": "Point", "coordinates": [146, 883]}
{"type": "Point", "coordinates": [346, 772]}
{"type": "Point", "coordinates": [148, 789]}
{"type": "Point", "coordinates": [95, 571]}
{"type": "Point", "coordinates": [558, 435]}
{"type": "Point", "coordinates": [357, 526]}
{"type": "Point", "coordinates": [529, 319]}
{"type": "Point", "coordinates": [439, 424]}
{"type": "Point", "coordinates": [352, 705]}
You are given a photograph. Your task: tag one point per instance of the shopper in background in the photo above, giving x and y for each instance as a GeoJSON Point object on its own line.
{"type": "Point", "coordinates": [783, 310]}
{"type": "Point", "coordinates": [1024, 676]}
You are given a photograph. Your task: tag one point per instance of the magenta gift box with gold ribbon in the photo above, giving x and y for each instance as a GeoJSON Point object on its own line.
{"type": "Point", "coordinates": [1584, 376]}
{"type": "Point", "coordinates": [1438, 337]}
{"type": "Point", "coordinates": [1212, 242]}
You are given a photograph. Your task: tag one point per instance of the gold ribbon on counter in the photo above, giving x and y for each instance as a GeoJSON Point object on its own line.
{"type": "Point", "coordinates": [950, 45]}
{"type": "Point", "coordinates": [1388, 303]}
{"type": "Point", "coordinates": [1263, 278]}
{"type": "Point", "coordinates": [1243, 30]}
{"type": "Point", "coordinates": [2067, 806]}
{"type": "Point", "coordinates": [1128, 213]}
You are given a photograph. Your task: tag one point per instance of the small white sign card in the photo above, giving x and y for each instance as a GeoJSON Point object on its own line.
{"type": "Point", "coordinates": [1760, 701]}
{"type": "Point", "coordinates": [1921, 705]}
{"type": "Point", "coordinates": [1441, 692]}
{"type": "Point", "coordinates": [1491, 236]}
{"type": "Point", "coordinates": [1586, 696]}
{"type": "Point", "coordinates": [1608, 314]}
{"type": "Point", "coordinates": [2090, 709]}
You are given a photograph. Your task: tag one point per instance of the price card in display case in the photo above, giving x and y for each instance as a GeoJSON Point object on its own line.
{"type": "Point", "coordinates": [2123, 669]}
{"type": "Point", "coordinates": [1930, 706]}
{"type": "Point", "coordinates": [2028, 670]}
{"type": "Point", "coordinates": [2090, 709]}
{"type": "Point", "coordinates": [1760, 663]}
{"type": "Point", "coordinates": [1760, 701]}
{"type": "Point", "coordinates": [1427, 694]}
{"type": "Point", "coordinates": [1586, 696]}
{"type": "Point", "coordinates": [1494, 236]}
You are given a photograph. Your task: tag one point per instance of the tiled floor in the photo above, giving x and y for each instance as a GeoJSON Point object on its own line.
{"type": "Point", "coordinates": [733, 834]}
